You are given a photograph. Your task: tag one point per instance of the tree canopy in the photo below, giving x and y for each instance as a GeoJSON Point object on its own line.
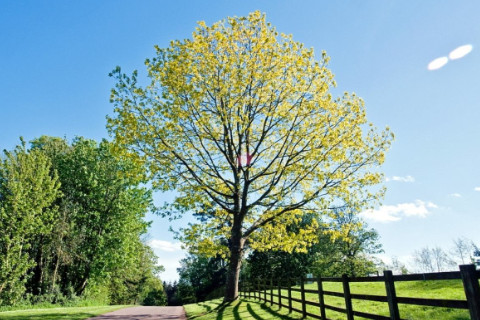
{"type": "Point", "coordinates": [72, 221]}
{"type": "Point", "coordinates": [28, 189]}
{"type": "Point", "coordinates": [240, 122]}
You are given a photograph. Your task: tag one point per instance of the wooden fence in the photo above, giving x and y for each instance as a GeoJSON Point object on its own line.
{"type": "Point", "coordinates": [269, 292]}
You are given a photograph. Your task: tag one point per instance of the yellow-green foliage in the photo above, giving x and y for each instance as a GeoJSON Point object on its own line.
{"type": "Point", "coordinates": [239, 88]}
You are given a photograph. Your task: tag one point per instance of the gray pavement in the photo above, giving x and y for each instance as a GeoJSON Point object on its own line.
{"type": "Point", "coordinates": [144, 313]}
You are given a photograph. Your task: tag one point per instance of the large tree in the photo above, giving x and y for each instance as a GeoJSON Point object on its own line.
{"type": "Point", "coordinates": [239, 121]}
{"type": "Point", "coordinates": [28, 188]}
{"type": "Point", "coordinates": [100, 218]}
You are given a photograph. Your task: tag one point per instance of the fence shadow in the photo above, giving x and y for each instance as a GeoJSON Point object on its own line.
{"type": "Point", "coordinates": [253, 313]}
{"type": "Point", "coordinates": [275, 313]}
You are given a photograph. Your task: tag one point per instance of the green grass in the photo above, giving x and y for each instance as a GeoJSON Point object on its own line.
{"type": "Point", "coordinates": [242, 309]}
{"type": "Point", "coordinates": [254, 309]}
{"type": "Point", "coordinates": [66, 313]}
{"type": "Point", "coordinates": [443, 289]}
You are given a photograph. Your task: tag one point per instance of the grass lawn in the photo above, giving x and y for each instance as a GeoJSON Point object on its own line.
{"type": "Point", "coordinates": [441, 289]}
{"type": "Point", "coordinates": [242, 309]}
{"type": "Point", "coordinates": [254, 309]}
{"type": "Point", "coordinates": [66, 313]}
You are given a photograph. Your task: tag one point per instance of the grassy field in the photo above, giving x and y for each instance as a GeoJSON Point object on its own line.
{"type": "Point", "coordinates": [253, 309]}
{"type": "Point", "coordinates": [242, 309]}
{"type": "Point", "coordinates": [66, 313]}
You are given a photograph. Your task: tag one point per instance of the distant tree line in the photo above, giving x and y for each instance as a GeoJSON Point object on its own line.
{"type": "Point", "coordinates": [437, 259]}
{"type": "Point", "coordinates": [71, 225]}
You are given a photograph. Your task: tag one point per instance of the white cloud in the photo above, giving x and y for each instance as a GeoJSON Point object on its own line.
{"type": "Point", "coordinates": [437, 63]}
{"type": "Point", "coordinates": [460, 52]}
{"type": "Point", "coordinates": [171, 264]}
{"type": "Point", "coordinates": [476, 188]}
{"type": "Point", "coordinates": [393, 213]}
{"type": "Point", "coordinates": [401, 179]}
{"type": "Point", "coordinates": [455, 195]}
{"type": "Point", "coordinates": [163, 245]}
{"type": "Point", "coordinates": [169, 254]}
{"type": "Point", "coordinates": [455, 54]}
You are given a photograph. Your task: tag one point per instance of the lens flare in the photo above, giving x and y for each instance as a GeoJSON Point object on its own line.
{"type": "Point", "coordinates": [460, 52]}
{"type": "Point", "coordinates": [437, 63]}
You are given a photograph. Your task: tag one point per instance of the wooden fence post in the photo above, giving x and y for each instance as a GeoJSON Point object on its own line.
{"type": "Point", "coordinates": [348, 297]}
{"type": "Point", "coordinates": [290, 295]}
{"type": "Point", "coordinates": [304, 305]}
{"type": "Point", "coordinates": [240, 287]}
{"type": "Point", "coordinates": [279, 294]}
{"type": "Point", "coordinates": [259, 292]}
{"type": "Point", "coordinates": [265, 291]}
{"type": "Point", "coordinates": [321, 298]}
{"type": "Point", "coordinates": [472, 289]}
{"type": "Point", "coordinates": [271, 291]}
{"type": "Point", "coordinates": [243, 288]}
{"type": "Point", "coordinates": [391, 295]}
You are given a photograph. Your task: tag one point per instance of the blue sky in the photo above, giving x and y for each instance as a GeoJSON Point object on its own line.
{"type": "Point", "coordinates": [55, 57]}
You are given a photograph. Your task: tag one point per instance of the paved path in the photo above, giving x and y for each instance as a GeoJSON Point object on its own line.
{"type": "Point", "coordinates": [144, 313]}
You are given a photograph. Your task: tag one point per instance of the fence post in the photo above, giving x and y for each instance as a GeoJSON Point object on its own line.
{"type": "Point", "coordinates": [290, 295]}
{"type": "Point", "coordinates": [279, 294]}
{"type": "Point", "coordinates": [321, 298]}
{"type": "Point", "coordinates": [271, 291]}
{"type": "Point", "coordinates": [243, 288]}
{"type": "Point", "coordinates": [304, 305]}
{"type": "Point", "coordinates": [259, 293]}
{"type": "Point", "coordinates": [472, 289]}
{"type": "Point", "coordinates": [391, 295]}
{"type": "Point", "coordinates": [240, 287]}
{"type": "Point", "coordinates": [264, 291]}
{"type": "Point", "coordinates": [348, 297]}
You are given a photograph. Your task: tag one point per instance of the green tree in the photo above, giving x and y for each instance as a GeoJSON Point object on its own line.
{"type": "Point", "coordinates": [100, 216]}
{"type": "Point", "coordinates": [201, 277]}
{"type": "Point", "coordinates": [137, 280]}
{"type": "Point", "coordinates": [346, 246]}
{"type": "Point", "coordinates": [239, 119]}
{"type": "Point", "coordinates": [28, 188]}
{"type": "Point", "coordinates": [278, 264]}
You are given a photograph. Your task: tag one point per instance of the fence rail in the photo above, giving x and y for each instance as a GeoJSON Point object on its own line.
{"type": "Point", "coordinates": [268, 292]}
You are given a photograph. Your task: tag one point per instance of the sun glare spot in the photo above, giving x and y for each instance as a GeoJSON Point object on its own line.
{"type": "Point", "coordinates": [437, 63]}
{"type": "Point", "coordinates": [460, 52]}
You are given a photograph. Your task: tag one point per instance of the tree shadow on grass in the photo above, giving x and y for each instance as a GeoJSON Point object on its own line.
{"type": "Point", "coordinates": [236, 314]}
{"type": "Point", "coordinates": [206, 306]}
{"type": "Point", "coordinates": [221, 308]}
{"type": "Point", "coordinates": [218, 309]}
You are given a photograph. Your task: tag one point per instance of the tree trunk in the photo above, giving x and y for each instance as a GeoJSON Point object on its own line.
{"type": "Point", "coordinates": [55, 272]}
{"type": "Point", "coordinates": [82, 286]}
{"type": "Point", "coordinates": [234, 265]}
